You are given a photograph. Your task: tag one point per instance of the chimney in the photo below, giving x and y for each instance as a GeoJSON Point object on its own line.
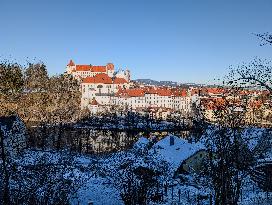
{"type": "Point", "coordinates": [172, 140]}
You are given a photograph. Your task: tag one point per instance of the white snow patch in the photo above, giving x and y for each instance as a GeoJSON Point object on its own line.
{"type": "Point", "coordinates": [174, 154]}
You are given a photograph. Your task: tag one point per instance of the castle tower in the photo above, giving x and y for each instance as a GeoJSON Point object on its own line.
{"type": "Point", "coordinates": [127, 75]}
{"type": "Point", "coordinates": [110, 69]}
{"type": "Point", "coordinates": [123, 74]}
{"type": "Point", "coordinates": [70, 67]}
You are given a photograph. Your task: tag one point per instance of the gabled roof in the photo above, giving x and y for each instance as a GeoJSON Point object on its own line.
{"type": "Point", "coordinates": [103, 78]}
{"type": "Point", "coordinates": [71, 63]}
{"type": "Point", "coordinates": [94, 102]}
{"type": "Point", "coordinates": [98, 78]}
{"type": "Point", "coordinates": [119, 81]}
{"type": "Point", "coordinates": [178, 152]}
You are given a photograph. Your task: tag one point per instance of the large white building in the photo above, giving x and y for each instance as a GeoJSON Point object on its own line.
{"type": "Point", "coordinates": [83, 71]}
{"type": "Point", "coordinates": [152, 97]}
{"type": "Point", "coordinates": [108, 88]}
{"type": "Point", "coordinates": [98, 82]}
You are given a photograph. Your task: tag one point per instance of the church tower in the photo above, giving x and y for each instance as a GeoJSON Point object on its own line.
{"type": "Point", "coordinates": [127, 75]}
{"type": "Point", "coordinates": [70, 67]}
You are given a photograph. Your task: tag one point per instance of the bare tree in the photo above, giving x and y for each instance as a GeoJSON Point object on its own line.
{"type": "Point", "coordinates": [257, 73]}
{"type": "Point", "coordinates": [230, 157]}
{"type": "Point", "coordinates": [36, 77]}
{"type": "Point", "coordinates": [266, 38]}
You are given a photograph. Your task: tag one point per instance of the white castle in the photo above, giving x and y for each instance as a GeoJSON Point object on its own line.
{"type": "Point", "coordinates": [101, 86]}
{"type": "Point", "coordinates": [84, 71]}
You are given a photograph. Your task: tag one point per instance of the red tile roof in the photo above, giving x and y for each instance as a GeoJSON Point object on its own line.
{"type": "Point", "coordinates": [94, 102]}
{"type": "Point", "coordinates": [164, 92]}
{"type": "Point", "coordinates": [180, 93]}
{"type": "Point", "coordinates": [120, 92]}
{"type": "Point", "coordinates": [93, 68]}
{"type": "Point", "coordinates": [183, 93]}
{"type": "Point", "coordinates": [88, 80]}
{"type": "Point", "coordinates": [119, 81]}
{"type": "Point", "coordinates": [104, 79]}
{"type": "Point", "coordinates": [255, 104]}
{"type": "Point", "coordinates": [214, 103]}
{"type": "Point", "coordinates": [215, 90]}
{"type": "Point", "coordinates": [98, 68]}
{"type": "Point", "coordinates": [71, 63]}
{"type": "Point", "coordinates": [83, 67]}
{"type": "Point", "coordinates": [136, 92]}
{"type": "Point", "coordinates": [151, 90]}
{"type": "Point", "coordinates": [195, 91]}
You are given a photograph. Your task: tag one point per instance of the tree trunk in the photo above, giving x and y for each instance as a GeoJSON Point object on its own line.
{"type": "Point", "coordinates": [6, 192]}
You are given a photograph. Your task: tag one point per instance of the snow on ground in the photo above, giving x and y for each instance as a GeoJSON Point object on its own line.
{"type": "Point", "coordinates": [96, 173]}
{"type": "Point", "coordinates": [252, 136]}
{"type": "Point", "coordinates": [141, 143]}
{"type": "Point", "coordinates": [98, 191]}
{"type": "Point", "coordinates": [92, 187]}
{"type": "Point", "coordinates": [252, 195]}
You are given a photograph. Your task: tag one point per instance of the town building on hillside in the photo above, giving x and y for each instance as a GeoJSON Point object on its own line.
{"type": "Point", "coordinates": [99, 82]}
{"type": "Point", "coordinates": [110, 88]}
{"type": "Point", "coordinates": [102, 88]}
{"type": "Point", "coordinates": [94, 106]}
{"type": "Point", "coordinates": [114, 88]}
{"type": "Point", "coordinates": [154, 97]}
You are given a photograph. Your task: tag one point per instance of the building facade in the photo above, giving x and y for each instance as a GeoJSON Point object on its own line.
{"type": "Point", "coordinates": [114, 88]}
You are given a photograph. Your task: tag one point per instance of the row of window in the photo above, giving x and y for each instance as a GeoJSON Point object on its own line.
{"type": "Point", "coordinates": [139, 104]}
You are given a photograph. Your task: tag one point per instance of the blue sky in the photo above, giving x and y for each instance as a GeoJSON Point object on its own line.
{"type": "Point", "coordinates": [185, 41]}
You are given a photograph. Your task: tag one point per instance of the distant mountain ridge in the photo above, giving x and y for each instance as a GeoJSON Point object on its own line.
{"type": "Point", "coordinates": [163, 83]}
